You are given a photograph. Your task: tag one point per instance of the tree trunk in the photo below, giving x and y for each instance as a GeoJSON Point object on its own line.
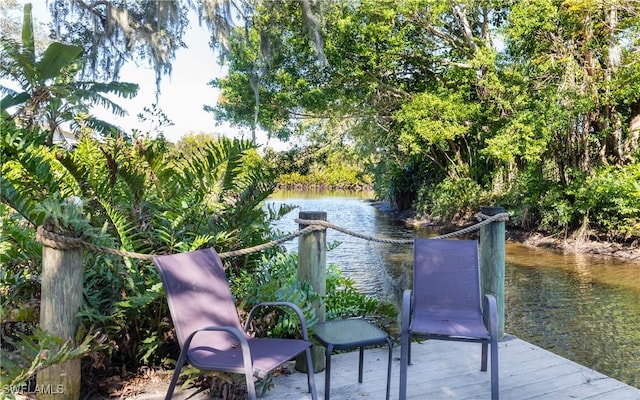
{"type": "Point", "coordinates": [634, 130]}
{"type": "Point", "coordinates": [255, 85]}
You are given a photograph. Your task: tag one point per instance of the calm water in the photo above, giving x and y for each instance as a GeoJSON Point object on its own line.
{"type": "Point", "coordinates": [584, 308]}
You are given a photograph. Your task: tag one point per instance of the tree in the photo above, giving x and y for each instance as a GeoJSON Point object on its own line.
{"type": "Point", "coordinates": [388, 67]}
{"type": "Point", "coordinates": [48, 94]}
{"type": "Point", "coordinates": [578, 65]}
{"type": "Point", "coordinates": [442, 107]}
{"type": "Point", "coordinates": [151, 31]}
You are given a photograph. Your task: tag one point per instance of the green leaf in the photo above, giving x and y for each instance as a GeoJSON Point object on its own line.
{"type": "Point", "coordinates": [11, 100]}
{"type": "Point", "coordinates": [56, 57]}
{"type": "Point", "coordinates": [28, 41]}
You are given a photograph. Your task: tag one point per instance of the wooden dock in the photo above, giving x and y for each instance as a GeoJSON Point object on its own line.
{"type": "Point", "coordinates": [445, 370]}
{"type": "Point", "coordinates": [451, 370]}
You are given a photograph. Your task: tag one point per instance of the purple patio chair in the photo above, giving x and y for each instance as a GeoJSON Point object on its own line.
{"type": "Point", "coordinates": [208, 328]}
{"type": "Point", "coordinates": [445, 303]}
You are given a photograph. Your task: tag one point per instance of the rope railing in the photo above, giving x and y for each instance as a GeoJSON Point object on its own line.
{"type": "Point", "coordinates": [484, 220]}
{"type": "Point", "coordinates": [61, 242]}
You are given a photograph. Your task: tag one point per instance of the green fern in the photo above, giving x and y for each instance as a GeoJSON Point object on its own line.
{"type": "Point", "coordinates": [38, 350]}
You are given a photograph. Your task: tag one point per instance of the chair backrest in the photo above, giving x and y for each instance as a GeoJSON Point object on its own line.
{"type": "Point", "coordinates": [198, 293]}
{"type": "Point", "coordinates": [446, 277]}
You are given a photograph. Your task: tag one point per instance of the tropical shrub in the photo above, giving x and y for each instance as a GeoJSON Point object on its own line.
{"type": "Point", "coordinates": [450, 199]}
{"type": "Point", "coordinates": [276, 280]}
{"type": "Point", "coordinates": [332, 169]}
{"type": "Point", "coordinates": [608, 201]}
{"type": "Point", "coordinates": [603, 204]}
{"type": "Point", "coordinates": [142, 197]}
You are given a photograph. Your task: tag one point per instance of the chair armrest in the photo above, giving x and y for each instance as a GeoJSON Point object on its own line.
{"type": "Point", "coordinates": [295, 308]}
{"type": "Point", "coordinates": [490, 315]}
{"type": "Point", "coordinates": [406, 310]}
{"type": "Point", "coordinates": [244, 344]}
{"type": "Point", "coordinates": [230, 329]}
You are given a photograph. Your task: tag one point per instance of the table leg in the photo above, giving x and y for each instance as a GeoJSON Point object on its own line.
{"type": "Point", "coordinates": [360, 365]}
{"type": "Point", "coordinates": [389, 366]}
{"type": "Point", "coordinates": [327, 372]}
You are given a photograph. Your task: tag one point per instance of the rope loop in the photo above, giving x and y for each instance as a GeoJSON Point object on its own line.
{"type": "Point", "coordinates": [56, 241]}
{"type": "Point", "coordinates": [60, 242]}
{"type": "Point", "coordinates": [498, 217]}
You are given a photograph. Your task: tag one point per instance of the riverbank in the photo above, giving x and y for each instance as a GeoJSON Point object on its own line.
{"type": "Point", "coordinates": [623, 251]}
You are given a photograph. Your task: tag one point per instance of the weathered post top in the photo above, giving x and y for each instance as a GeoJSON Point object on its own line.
{"type": "Point", "coordinates": [313, 215]}
{"type": "Point", "coordinates": [492, 210]}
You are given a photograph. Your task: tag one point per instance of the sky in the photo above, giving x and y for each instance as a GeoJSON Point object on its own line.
{"type": "Point", "coordinates": [182, 94]}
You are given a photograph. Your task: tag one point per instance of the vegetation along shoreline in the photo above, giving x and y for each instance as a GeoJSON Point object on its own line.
{"type": "Point", "coordinates": [559, 242]}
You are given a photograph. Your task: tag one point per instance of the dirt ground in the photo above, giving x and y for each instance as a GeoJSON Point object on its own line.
{"type": "Point", "coordinates": [152, 384]}
{"type": "Point", "coordinates": [623, 251]}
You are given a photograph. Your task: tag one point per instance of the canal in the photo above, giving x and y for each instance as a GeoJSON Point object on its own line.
{"type": "Point", "coordinates": [584, 308]}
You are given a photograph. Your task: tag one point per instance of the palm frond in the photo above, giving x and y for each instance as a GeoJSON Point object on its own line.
{"type": "Point", "coordinates": [235, 151]}
{"type": "Point", "coordinates": [17, 240]}
{"type": "Point", "coordinates": [21, 202]}
{"type": "Point", "coordinates": [123, 226]}
{"type": "Point", "coordinates": [125, 90]}
{"type": "Point", "coordinates": [35, 172]}
{"type": "Point", "coordinates": [56, 57]}
{"type": "Point", "coordinates": [94, 93]}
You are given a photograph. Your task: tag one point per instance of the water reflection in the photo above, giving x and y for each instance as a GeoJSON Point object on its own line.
{"type": "Point", "coordinates": [364, 261]}
{"type": "Point", "coordinates": [582, 307]}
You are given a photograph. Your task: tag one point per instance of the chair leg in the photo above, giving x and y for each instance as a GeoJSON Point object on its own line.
{"type": "Point", "coordinates": [390, 345]}
{"type": "Point", "coordinates": [404, 362]}
{"type": "Point", "coordinates": [483, 366]}
{"type": "Point", "coordinates": [251, 386]}
{"type": "Point", "coordinates": [405, 341]}
{"type": "Point", "coordinates": [495, 388]}
{"type": "Point", "coordinates": [311, 383]}
{"type": "Point", "coordinates": [327, 372]}
{"type": "Point", "coordinates": [360, 362]}
{"type": "Point", "coordinates": [176, 374]}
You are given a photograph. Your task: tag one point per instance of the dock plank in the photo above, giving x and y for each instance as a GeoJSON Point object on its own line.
{"type": "Point", "coordinates": [451, 370]}
{"type": "Point", "coordinates": [444, 370]}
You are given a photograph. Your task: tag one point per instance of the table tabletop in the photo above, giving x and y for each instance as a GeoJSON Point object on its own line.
{"type": "Point", "coordinates": [348, 333]}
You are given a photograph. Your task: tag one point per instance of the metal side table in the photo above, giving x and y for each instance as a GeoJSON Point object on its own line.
{"type": "Point", "coordinates": [347, 334]}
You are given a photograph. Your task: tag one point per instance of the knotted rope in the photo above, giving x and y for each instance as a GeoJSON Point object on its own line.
{"type": "Point", "coordinates": [61, 242]}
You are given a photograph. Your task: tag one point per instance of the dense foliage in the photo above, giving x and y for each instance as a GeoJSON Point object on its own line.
{"type": "Point", "coordinates": [140, 197]}
{"type": "Point", "coordinates": [328, 167]}
{"type": "Point", "coordinates": [531, 105]}
{"type": "Point", "coordinates": [124, 192]}
{"type": "Point", "coordinates": [146, 197]}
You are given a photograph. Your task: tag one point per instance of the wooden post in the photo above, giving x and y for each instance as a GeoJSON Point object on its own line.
{"type": "Point", "coordinates": [492, 250]}
{"type": "Point", "coordinates": [61, 299]}
{"type": "Point", "coordinates": [312, 266]}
